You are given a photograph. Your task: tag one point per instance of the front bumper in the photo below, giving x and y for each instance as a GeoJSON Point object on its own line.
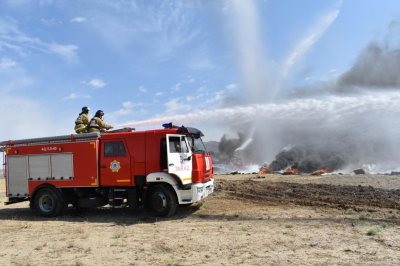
{"type": "Point", "coordinates": [197, 192]}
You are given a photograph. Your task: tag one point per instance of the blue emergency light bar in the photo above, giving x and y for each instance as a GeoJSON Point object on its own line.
{"type": "Point", "coordinates": [169, 125]}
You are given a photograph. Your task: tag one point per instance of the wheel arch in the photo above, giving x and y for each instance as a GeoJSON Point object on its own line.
{"type": "Point", "coordinates": [166, 179]}
{"type": "Point", "coordinates": [60, 195]}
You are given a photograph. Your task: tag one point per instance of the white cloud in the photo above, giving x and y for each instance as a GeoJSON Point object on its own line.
{"type": "Point", "coordinates": [191, 98]}
{"type": "Point", "coordinates": [10, 46]}
{"type": "Point", "coordinates": [201, 63]}
{"type": "Point", "coordinates": [66, 51]}
{"type": "Point", "coordinates": [12, 76]}
{"type": "Point", "coordinates": [76, 96]}
{"type": "Point", "coordinates": [202, 88]}
{"type": "Point", "coordinates": [162, 28]}
{"type": "Point", "coordinates": [332, 70]}
{"type": "Point", "coordinates": [98, 83]}
{"type": "Point", "coordinates": [128, 109]}
{"type": "Point", "coordinates": [189, 80]}
{"type": "Point", "coordinates": [78, 19]}
{"type": "Point", "coordinates": [231, 86]}
{"type": "Point", "coordinates": [127, 104]}
{"type": "Point", "coordinates": [176, 88]}
{"type": "Point", "coordinates": [71, 96]}
{"type": "Point", "coordinates": [309, 78]}
{"type": "Point", "coordinates": [174, 106]}
{"type": "Point", "coordinates": [6, 63]}
{"type": "Point", "coordinates": [219, 95]}
{"type": "Point", "coordinates": [12, 38]}
{"type": "Point", "coordinates": [142, 89]}
{"type": "Point", "coordinates": [121, 112]}
{"type": "Point", "coordinates": [159, 93]}
{"type": "Point", "coordinates": [50, 22]}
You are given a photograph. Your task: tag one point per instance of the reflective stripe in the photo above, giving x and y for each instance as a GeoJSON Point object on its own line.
{"type": "Point", "coordinates": [93, 124]}
{"type": "Point", "coordinates": [81, 126]}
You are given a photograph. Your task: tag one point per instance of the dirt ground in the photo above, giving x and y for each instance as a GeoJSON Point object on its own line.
{"type": "Point", "coordinates": [249, 220]}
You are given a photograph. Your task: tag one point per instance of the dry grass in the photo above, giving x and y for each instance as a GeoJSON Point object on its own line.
{"type": "Point", "coordinates": [362, 216]}
{"type": "Point", "coordinates": [220, 230]}
{"type": "Point", "coordinates": [373, 230]}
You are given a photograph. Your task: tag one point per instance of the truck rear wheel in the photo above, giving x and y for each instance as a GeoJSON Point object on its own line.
{"type": "Point", "coordinates": [162, 200]}
{"type": "Point", "coordinates": [47, 203]}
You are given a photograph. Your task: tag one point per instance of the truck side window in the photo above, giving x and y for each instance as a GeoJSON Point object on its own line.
{"type": "Point", "coordinates": [121, 150]}
{"type": "Point", "coordinates": [184, 146]}
{"type": "Point", "coordinates": [174, 144]}
{"type": "Point", "coordinates": [111, 149]}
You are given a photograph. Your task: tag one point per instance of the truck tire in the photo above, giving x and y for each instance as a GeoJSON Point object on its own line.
{"type": "Point", "coordinates": [162, 200]}
{"type": "Point", "coordinates": [47, 203]}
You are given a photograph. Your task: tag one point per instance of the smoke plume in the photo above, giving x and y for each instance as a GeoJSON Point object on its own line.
{"type": "Point", "coordinates": [376, 67]}
{"type": "Point", "coordinates": [340, 124]}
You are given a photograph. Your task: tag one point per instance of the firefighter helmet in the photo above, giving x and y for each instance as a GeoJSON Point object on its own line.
{"type": "Point", "coordinates": [99, 113]}
{"type": "Point", "coordinates": [85, 109]}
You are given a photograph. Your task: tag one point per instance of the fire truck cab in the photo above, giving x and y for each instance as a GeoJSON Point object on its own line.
{"type": "Point", "coordinates": [159, 169]}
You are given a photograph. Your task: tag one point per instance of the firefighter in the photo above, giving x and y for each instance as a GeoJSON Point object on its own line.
{"type": "Point", "coordinates": [97, 124]}
{"type": "Point", "coordinates": [82, 121]}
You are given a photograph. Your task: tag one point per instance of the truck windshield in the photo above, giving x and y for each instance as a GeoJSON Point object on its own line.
{"type": "Point", "coordinates": [197, 145]}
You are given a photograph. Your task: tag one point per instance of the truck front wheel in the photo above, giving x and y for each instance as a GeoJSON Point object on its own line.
{"type": "Point", "coordinates": [162, 200]}
{"type": "Point", "coordinates": [47, 203]}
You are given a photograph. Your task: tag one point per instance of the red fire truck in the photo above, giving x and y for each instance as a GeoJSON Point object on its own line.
{"type": "Point", "coordinates": [158, 169]}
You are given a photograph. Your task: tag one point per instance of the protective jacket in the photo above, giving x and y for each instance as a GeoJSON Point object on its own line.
{"type": "Point", "coordinates": [96, 124]}
{"type": "Point", "coordinates": [81, 123]}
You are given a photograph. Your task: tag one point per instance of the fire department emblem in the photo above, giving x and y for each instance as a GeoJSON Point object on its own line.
{"type": "Point", "coordinates": [115, 166]}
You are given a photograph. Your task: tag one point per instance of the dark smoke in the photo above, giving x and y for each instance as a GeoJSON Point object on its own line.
{"type": "Point", "coordinates": [376, 67]}
{"type": "Point", "coordinates": [308, 159]}
{"type": "Point", "coordinates": [228, 146]}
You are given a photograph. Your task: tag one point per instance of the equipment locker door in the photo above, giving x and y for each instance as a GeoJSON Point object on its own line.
{"type": "Point", "coordinates": [179, 157]}
{"type": "Point", "coordinates": [115, 166]}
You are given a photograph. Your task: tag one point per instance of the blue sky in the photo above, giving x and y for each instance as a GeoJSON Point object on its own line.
{"type": "Point", "coordinates": [138, 60]}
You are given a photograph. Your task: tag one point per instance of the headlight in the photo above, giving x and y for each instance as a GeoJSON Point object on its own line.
{"type": "Point", "coordinates": [199, 190]}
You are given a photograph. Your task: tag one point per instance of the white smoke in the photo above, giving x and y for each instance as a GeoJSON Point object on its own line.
{"type": "Point", "coordinates": [332, 108]}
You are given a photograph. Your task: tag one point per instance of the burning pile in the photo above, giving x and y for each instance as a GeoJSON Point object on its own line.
{"type": "Point", "coordinates": [322, 171]}
{"type": "Point", "coordinates": [291, 172]}
{"type": "Point", "coordinates": [308, 160]}
{"type": "Point", "coordinates": [265, 169]}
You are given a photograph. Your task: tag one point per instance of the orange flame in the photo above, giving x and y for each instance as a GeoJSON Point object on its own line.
{"type": "Point", "coordinates": [265, 170]}
{"type": "Point", "coordinates": [291, 172]}
{"type": "Point", "coordinates": [322, 171]}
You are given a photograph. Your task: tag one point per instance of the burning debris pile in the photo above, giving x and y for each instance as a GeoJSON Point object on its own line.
{"type": "Point", "coordinates": [306, 160]}
{"type": "Point", "coordinates": [322, 171]}
{"type": "Point", "coordinates": [291, 172]}
{"type": "Point", "coordinates": [265, 169]}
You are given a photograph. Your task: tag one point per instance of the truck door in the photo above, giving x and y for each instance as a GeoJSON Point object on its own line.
{"type": "Point", "coordinates": [179, 157]}
{"type": "Point", "coordinates": [115, 165]}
